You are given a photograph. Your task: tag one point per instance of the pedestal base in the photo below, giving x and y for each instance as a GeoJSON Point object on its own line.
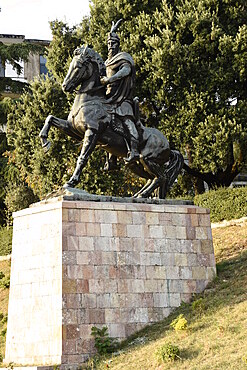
{"type": "Point", "coordinates": [78, 264]}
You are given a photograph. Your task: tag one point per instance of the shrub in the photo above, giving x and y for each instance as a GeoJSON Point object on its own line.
{"type": "Point", "coordinates": [103, 343]}
{"type": "Point", "coordinates": [167, 353]}
{"type": "Point", "coordinates": [198, 306]}
{"type": "Point", "coordinates": [224, 203]}
{"type": "Point", "coordinates": [180, 323]}
{"type": "Point", "coordinates": [245, 359]}
{"type": "Point", "coordinates": [4, 280]}
{"type": "Point", "coordinates": [5, 240]}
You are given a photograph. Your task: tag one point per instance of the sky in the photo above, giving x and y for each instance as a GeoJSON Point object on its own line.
{"type": "Point", "coordinates": [31, 17]}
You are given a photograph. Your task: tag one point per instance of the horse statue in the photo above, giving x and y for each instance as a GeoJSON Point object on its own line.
{"type": "Point", "coordinates": [92, 120]}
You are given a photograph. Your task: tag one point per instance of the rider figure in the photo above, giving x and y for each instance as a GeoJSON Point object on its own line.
{"type": "Point", "coordinates": [120, 78]}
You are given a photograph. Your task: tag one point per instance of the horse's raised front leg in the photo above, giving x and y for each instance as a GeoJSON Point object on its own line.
{"type": "Point", "coordinates": [44, 133]}
{"type": "Point", "coordinates": [59, 123]}
{"type": "Point", "coordinates": [89, 143]}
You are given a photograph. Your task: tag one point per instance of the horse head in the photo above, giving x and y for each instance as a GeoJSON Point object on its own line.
{"type": "Point", "coordinates": [81, 68]}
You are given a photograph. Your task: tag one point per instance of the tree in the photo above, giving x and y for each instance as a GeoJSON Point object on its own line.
{"type": "Point", "coordinates": [13, 54]}
{"type": "Point", "coordinates": [191, 75]}
{"type": "Point", "coordinates": [191, 62]}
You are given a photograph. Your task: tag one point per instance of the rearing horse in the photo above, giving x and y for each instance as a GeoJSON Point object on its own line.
{"type": "Point", "coordinates": [91, 120]}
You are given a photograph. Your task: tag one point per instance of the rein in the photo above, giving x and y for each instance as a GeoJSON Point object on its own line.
{"type": "Point", "coordinates": [90, 90]}
{"type": "Point", "coordinates": [83, 92]}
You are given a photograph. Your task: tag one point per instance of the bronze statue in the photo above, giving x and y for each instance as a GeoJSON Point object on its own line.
{"type": "Point", "coordinates": [120, 82]}
{"type": "Point", "coordinates": [105, 114]}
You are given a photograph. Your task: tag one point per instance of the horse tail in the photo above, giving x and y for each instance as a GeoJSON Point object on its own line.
{"type": "Point", "coordinates": [171, 172]}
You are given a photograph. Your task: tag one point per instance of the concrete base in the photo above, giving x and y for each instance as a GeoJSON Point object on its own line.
{"type": "Point", "coordinates": [78, 264]}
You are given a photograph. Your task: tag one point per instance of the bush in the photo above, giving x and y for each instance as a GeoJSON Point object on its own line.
{"type": "Point", "coordinates": [180, 323]}
{"type": "Point", "coordinates": [168, 353]}
{"type": "Point", "coordinates": [198, 306]}
{"type": "Point", "coordinates": [103, 343]}
{"type": "Point", "coordinates": [5, 241]}
{"type": "Point", "coordinates": [4, 280]}
{"type": "Point", "coordinates": [224, 203]}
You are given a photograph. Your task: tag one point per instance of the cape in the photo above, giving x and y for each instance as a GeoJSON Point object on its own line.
{"type": "Point", "coordinates": [121, 90]}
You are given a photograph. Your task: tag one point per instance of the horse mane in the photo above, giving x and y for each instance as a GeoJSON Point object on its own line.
{"type": "Point", "coordinates": [94, 56]}
{"type": "Point", "coordinates": [98, 59]}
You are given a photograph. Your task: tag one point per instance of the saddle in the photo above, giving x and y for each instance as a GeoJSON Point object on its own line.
{"type": "Point", "coordinates": [118, 125]}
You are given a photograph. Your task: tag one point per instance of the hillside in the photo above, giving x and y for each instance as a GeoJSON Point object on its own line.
{"type": "Point", "coordinates": [217, 323]}
{"type": "Point", "coordinates": [4, 295]}
{"type": "Point", "coordinates": [217, 326]}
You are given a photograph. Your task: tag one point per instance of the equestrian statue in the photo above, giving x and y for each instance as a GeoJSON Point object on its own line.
{"type": "Point", "coordinates": [105, 113]}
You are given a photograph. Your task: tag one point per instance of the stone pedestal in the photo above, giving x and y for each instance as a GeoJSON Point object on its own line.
{"type": "Point", "coordinates": [78, 264]}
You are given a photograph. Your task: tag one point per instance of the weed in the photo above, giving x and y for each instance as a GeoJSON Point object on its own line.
{"type": "Point", "coordinates": [4, 280]}
{"type": "Point", "coordinates": [3, 332]}
{"type": "Point", "coordinates": [103, 343]}
{"type": "Point", "coordinates": [245, 359]}
{"type": "Point", "coordinates": [180, 323]}
{"type": "Point", "coordinates": [198, 306]}
{"type": "Point", "coordinates": [5, 240]}
{"type": "Point", "coordinates": [167, 353]}
{"type": "Point", "coordinates": [3, 318]}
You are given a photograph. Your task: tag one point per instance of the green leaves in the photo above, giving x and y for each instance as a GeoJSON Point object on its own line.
{"type": "Point", "coordinates": [15, 53]}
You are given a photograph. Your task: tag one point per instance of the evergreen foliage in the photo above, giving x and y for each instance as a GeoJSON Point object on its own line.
{"type": "Point", "coordinates": [191, 75]}
{"type": "Point", "coordinates": [224, 203]}
{"type": "Point", "coordinates": [15, 53]}
{"type": "Point", "coordinates": [191, 69]}
{"type": "Point", "coordinates": [3, 159]}
{"type": "Point", "coordinates": [41, 173]}
{"type": "Point", "coordinates": [45, 173]}
{"type": "Point", "coordinates": [5, 240]}
{"type": "Point", "coordinates": [64, 42]}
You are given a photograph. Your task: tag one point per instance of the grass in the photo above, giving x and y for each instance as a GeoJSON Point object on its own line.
{"type": "Point", "coordinates": [4, 297]}
{"type": "Point", "coordinates": [217, 323]}
{"type": "Point", "coordinates": [217, 326]}
{"type": "Point", "coordinates": [5, 240]}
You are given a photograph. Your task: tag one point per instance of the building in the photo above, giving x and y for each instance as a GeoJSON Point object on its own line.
{"type": "Point", "coordinates": [35, 66]}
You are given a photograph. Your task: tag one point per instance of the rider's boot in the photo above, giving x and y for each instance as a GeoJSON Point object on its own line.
{"type": "Point", "coordinates": [133, 154]}
{"type": "Point", "coordinates": [111, 163]}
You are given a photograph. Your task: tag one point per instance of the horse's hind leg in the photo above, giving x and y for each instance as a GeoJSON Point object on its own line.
{"type": "Point", "coordinates": [143, 188]}
{"type": "Point", "coordinates": [152, 186]}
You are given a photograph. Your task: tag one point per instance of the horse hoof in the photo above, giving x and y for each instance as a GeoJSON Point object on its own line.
{"type": "Point", "coordinates": [143, 196]}
{"type": "Point", "coordinates": [48, 118]}
{"type": "Point", "coordinates": [46, 146]}
{"type": "Point", "coordinates": [68, 185]}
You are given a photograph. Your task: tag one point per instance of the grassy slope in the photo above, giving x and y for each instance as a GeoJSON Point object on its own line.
{"type": "Point", "coordinates": [217, 336]}
{"type": "Point", "coordinates": [4, 296]}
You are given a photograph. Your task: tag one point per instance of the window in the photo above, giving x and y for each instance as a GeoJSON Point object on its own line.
{"type": "Point", "coordinates": [2, 71]}
{"type": "Point", "coordinates": [42, 66]}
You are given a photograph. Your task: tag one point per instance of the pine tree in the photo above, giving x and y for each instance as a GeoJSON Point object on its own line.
{"type": "Point", "coordinates": [12, 54]}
